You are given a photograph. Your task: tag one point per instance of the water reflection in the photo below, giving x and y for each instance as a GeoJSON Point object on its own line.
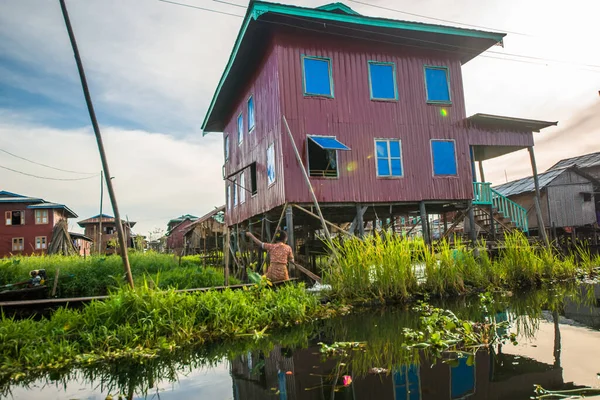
{"type": "Point", "coordinates": [555, 351]}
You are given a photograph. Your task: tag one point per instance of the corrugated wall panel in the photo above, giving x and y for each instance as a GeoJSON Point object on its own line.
{"type": "Point", "coordinates": [356, 120]}
{"type": "Point", "coordinates": [264, 88]}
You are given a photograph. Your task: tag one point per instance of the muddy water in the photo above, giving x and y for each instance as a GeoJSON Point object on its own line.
{"type": "Point", "coordinates": [558, 348]}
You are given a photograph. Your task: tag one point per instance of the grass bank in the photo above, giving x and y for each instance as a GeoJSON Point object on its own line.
{"type": "Point", "coordinates": [146, 321]}
{"type": "Point", "coordinates": [388, 267]}
{"type": "Point", "coordinates": [95, 275]}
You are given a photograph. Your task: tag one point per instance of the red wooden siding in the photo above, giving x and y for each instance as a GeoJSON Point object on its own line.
{"type": "Point", "coordinates": [489, 137]}
{"type": "Point", "coordinates": [356, 120]}
{"type": "Point", "coordinates": [264, 87]}
{"type": "Point", "coordinates": [29, 231]}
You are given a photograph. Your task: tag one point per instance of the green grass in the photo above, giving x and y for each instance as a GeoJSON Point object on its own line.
{"type": "Point", "coordinates": [389, 267]}
{"type": "Point", "coordinates": [96, 275]}
{"type": "Point", "coordinates": [145, 321]}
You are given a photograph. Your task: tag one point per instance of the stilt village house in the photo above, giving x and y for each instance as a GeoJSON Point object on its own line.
{"type": "Point", "coordinates": [373, 109]}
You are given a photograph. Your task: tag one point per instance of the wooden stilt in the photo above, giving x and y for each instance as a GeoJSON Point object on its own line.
{"type": "Point", "coordinates": [472, 227]}
{"type": "Point", "coordinates": [355, 223]}
{"type": "Point", "coordinates": [327, 222]}
{"type": "Point", "coordinates": [289, 222]}
{"type": "Point", "coordinates": [226, 255]}
{"type": "Point", "coordinates": [481, 174]}
{"type": "Point", "coordinates": [541, 228]}
{"type": "Point", "coordinates": [359, 220]}
{"type": "Point", "coordinates": [424, 223]}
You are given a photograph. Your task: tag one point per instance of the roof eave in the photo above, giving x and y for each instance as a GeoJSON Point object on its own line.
{"type": "Point", "coordinates": [258, 8]}
{"type": "Point", "coordinates": [531, 124]}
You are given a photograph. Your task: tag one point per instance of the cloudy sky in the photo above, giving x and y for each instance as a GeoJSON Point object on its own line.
{"type": "Point", "coordinates": [152, 68]}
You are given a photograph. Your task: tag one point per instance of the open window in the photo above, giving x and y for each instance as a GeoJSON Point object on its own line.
{"type": "Point", "coordinates": [322, 156]}
{"type": "Point", "coordinates": [14, 217]}
{"type": "Point", "coordinates": [109, 230]}
{"type": "Point", "coordinates": [253, 184]}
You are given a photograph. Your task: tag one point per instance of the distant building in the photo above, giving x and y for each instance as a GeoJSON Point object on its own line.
{"type": "Point", "coordinates": [28, 223]}
{"type": "Point", "coordinates": [567, 198]}
{"type": "Point", "coordinates": [205, 235]}
{"type": "Point", "coordinates": [104, 242]}
{"type": "Point", "coordinates": [176, 229]}
{"type": "Point", "coordinates": [82, 243]}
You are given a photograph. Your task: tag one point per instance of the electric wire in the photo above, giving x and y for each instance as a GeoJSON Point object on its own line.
{"type": "Point", "coordinates": [201, 8]}
{"type": "Point", "coordinates": [47, 166]}
{"type": "Point", "coordinates": [48, 178]}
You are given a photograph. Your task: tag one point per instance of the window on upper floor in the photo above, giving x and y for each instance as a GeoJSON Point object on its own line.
{"type": "Point", "coordinates": [226, 147]}
{"type": "Point", "coordinates": [322, 156]}
{"type": "Point", "coordinates": [437, 84]}
{"type": "Point", "coordinates": [388, 158]}
{"type": "Point", "coordinates": [228, 195]}
{"type": "Point", "coordinates": [242, 188]}
{"type": "Point", "coordinates": [109, 230]}
{"type": "Point", "coordinates": [14, 217]}
{"type": "Point", "coordinates": [271, 171]}
{"type": "Point", "coordinates": [235, 193]}
{"type": "Point", "coordinates": [41, 217]}
{"type": "Point", "coordinates": [251, 114]}
{"type": "Point", "coordinates": [240, 128]}
{"type": "Point", "coordinates": [317, 76]}
{"type": "Point", "coordinates": [253, 183]}
{"type": "Point", "coordinates": [40, 242]}
{"type": "Point", "coordinates": [382, 80]}
{"type": "Point", "coordinates": [443, 154]}
{"type": "Point", "coordinates": [18, 244]}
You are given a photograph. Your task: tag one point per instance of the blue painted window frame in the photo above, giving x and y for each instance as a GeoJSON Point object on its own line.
{"type": "Point", "coordinates": [447, 71]}
{"type": "Point", "coordinates": [394, 80]}
{"type": "Point", "coordinates": [251, 114]}
{"type": "Point", "coordinates": [329, 68]}
{"type": "Point", "coordinates": [389, 158]}
{"type": "Point", "coordinates": [240, 128]}
{"type": "Point", "coordinates": [433, 162]}
{"type": "Point", "coordinates": [226, 147]}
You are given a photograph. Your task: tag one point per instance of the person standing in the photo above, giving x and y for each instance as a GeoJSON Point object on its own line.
{"type": "Point", "coordinates": [279, 256]}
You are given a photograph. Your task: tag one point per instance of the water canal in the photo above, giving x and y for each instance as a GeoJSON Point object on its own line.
{"type": "Point", "coordinates": [558, 331]}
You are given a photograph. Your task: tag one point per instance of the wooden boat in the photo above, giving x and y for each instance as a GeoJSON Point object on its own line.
{"type": "Point", "coordinates": [28, 293]}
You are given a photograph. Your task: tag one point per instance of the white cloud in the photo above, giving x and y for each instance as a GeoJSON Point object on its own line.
{"type": "Point", "coordinates": [157, 177]}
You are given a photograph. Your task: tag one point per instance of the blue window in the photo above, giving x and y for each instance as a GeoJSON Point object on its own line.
{"type": "Point", "coordinates": [317, 76]}
{"type": "Point", "coordinates": [436, 85]}
{"type": "Point", "coordinates": [407, 385]}
{"type": "Point", "coordinates": [382, 77]}
{"type": "Point", "coordinates": [443, 153]}
{"type": "Point", "coordinates": [226, 147]}
{"type": "Point", "coordinates": [240, 128]}
{"type": "Point", "coordinates": [250, 114]}
{"type": "Point", "coordinates": [388, 157]}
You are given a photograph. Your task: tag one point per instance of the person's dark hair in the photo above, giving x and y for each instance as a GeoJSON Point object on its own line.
{"type": "Point", "coordinates": [280, 237]}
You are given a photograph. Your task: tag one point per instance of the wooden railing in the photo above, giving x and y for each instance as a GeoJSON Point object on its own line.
{"type": "Point", "coordinates": [485, 195]}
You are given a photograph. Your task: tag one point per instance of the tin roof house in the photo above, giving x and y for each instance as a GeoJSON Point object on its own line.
{"type": "Point", "coordinates": [372, 109]}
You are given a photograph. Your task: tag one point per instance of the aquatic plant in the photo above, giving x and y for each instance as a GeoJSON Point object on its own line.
{"type": "Point", "coordinates": [96, 275]}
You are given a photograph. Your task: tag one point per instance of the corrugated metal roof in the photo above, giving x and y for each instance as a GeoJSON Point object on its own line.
{"type": "Point", "coordinates": [584, 161]}
{"type": "Point", "coordinates": [527, 184]}
{"type": "Point", "coordinates": [54, 206]}
{"type": "Point", "coordinates": [510, 122]}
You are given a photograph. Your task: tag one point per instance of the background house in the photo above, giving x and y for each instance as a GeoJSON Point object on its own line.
{"type": "Point", "coordinates": [82, 243]}
{"type": "Point", "coordinates": [176, 229]}
{"type": "Point", "coordinates": [28, 223]}
{"type": "Point", "coordinates": [105, 238]}
{"type": "Point", "coordinates": [205, 236]}
{"type": "Point", "coordinates": [375, 110]}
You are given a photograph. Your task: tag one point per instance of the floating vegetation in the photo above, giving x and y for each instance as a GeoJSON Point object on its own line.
{"type": "Point", "coordinates": [580, 393]}
{"type": "Point", "coordinates": [96, 275]}
{"type": "Point", "coordinates": [387, 267]}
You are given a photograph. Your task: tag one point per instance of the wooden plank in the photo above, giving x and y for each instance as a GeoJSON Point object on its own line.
{"type": "Point", "coordinates": [307, 272]}
{"type": "Point", "coordinates": [317, 217]}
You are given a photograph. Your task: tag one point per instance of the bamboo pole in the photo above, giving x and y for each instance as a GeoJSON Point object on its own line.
{"type": "Point", "coordinates": [307, 180]}
{"type": "Point", "coordinates": [328, 223]}
{"type": "Point", "coordinates": [538, 210]}
{"type": "Point", "coordinates": [90, 106]}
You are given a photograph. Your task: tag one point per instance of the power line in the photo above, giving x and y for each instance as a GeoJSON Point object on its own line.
{"type": "Point", "coordinates": [437, 19]}
{"type": "Point", "coordinates": [202, 8]}
{"type": "Point", "coordinates": [45, 177]}
{"type": "Point", "coordinates": [48, 166]}
{"type": "Point", "coordinates": [230, 4]}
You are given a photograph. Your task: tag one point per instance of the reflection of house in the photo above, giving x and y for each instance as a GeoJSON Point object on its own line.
{"type": "Point", "coordinates": [205, 235]}
{"type": "Point", "coordinates": [28, 223]}
{"type": "Point", "coordinates": [566, 197]}
{"type": "Point", "coordinates": [587, 313]}
{"type": "Point", "coordinates": [490, 376]}
{"type": "Point", "coordinates": [176, 229]}
{"type": "Point", "coordinates": [82, 243]}
{"type": "Point", "coordinates": [105, 240]}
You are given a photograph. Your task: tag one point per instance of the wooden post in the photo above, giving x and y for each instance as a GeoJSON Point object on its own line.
{"type": "Point", "coordinates": [289, 222]}
{"type": "Point", "coordinates": [481, 174]}
{"type": "Point", "coordinates": [538, 210]}
{"type": "Point", "coordinates": [492, 222]}
{"type": "Point", "coordinates": [424, 223]}
{"type": "Point", "coordinates": [359, 220]}
{"type": "Point", "coordinates": [317, 217]}
{"type": "Point", "coordinates": [472, 227]}
{"type": "Point", "coordinates": [226, 255]}
{"type": "Point", "coordinates": [55, 285]}
{"type": "Point", "coordinates": [307, 180]}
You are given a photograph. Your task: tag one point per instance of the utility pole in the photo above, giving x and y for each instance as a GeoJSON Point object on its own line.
{"type": "Point", "coordinates": [101, 198]}
{"type": "Point", "coordinates": [90, 107]}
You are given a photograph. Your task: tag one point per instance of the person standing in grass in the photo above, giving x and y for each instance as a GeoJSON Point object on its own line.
{"type": "Point", "coordinates": [279, 256]}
